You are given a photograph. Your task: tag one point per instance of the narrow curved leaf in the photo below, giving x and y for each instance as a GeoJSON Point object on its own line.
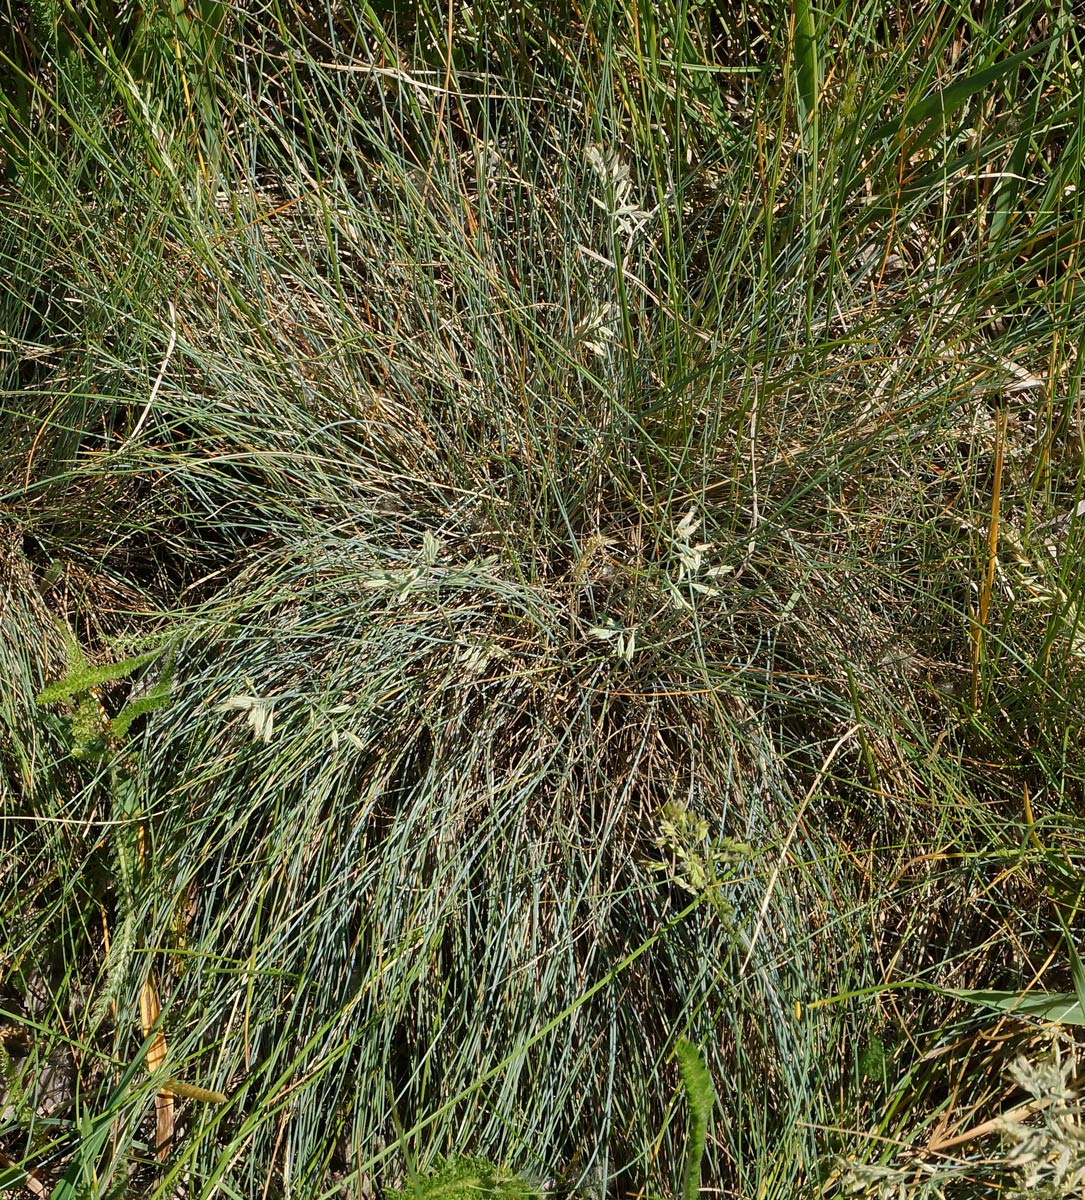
{"type": "Point", "coordinates": [1063, 1008]}
{"type": "Point", "coordinates": [938, 106]}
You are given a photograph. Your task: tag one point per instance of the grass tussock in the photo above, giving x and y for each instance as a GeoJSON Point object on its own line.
{"type": "Point", "coordinates": [532, 538]}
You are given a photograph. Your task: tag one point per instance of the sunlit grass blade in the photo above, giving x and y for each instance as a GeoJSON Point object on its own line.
{"type": "Point", "coordinates": [807, 74]}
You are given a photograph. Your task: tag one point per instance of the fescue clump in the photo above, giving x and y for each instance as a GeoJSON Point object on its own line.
{"type": "Point", "coordinates": [609, 481]}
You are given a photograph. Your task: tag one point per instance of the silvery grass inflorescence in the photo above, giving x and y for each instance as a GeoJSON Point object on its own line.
{"type": "Point", "coordinates": [689, 558]}
{"type": "Point", "coordinates": [619, 204]}
{"type": "Point", "coordinates": [687, 578]}
{"type": "Point", "coordinates": [599, 331]}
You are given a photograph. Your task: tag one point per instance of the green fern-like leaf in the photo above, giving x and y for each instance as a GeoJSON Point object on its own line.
{"type": "Point", "coordinates": [466, 1178]}
{"type": "Point", "coordinates": [88, 728]}
{"type": "Point", "coordinates": [157, 697]}
{"type": "Point", "coordinates": [700, 1097]}
{"type": "Point", "coordinates": [73, 652]}
{"type": "Point", "coordinates": [85, 678]}
{"type": "Point", "coordinates": [43, 21]}
{"type": "Point", "coordinates": [15, 1091]}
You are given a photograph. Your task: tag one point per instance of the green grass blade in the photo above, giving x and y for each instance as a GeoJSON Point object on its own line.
{"type": "Point", "coordinates": [1061, 1008]}
{"type": "Point", "coordinates": [807, 74]}
{"type": "Point", "coordinates": [921, 123]}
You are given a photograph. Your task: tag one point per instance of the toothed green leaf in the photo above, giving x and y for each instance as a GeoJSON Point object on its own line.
{"type": "Point", "coordinates": [83, 680]}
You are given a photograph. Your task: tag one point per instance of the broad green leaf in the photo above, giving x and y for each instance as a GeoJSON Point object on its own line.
{"type": "Point", "coordinates": [12, 1177]}
{"type": "Point", "coordinates": [78, 1179]}
{"type": "Point", "coordinates": [1005, 197]}
{"type": "Point", "coordinates": [1077, 969]}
